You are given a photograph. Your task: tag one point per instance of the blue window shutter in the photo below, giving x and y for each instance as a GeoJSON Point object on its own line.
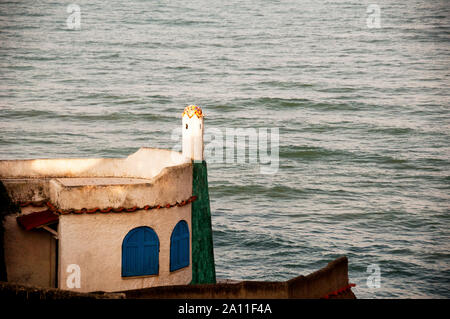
{"type": "Point", "coordinates": [179, 246]}
{"type": "Point", "coordinates": [140, 253]}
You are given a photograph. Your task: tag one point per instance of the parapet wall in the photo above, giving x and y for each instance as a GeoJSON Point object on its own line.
{"type": "Point", "coordinates": [145, 163]}
{"type": "Point", "coordinates": [316, 285]}
{"type": "Point", "coordinates": [88, 183]}
{"type": "Point", "coordinates": [319, 284]}
{"type": "Point", "coordinates": [16, 292]}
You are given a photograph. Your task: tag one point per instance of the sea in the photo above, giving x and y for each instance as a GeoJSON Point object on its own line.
{"type": "Point", "coordinates": [358, 91]}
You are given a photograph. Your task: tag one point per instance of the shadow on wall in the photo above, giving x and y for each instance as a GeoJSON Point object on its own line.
{"type": "Point", "coordinates": [6, 207]}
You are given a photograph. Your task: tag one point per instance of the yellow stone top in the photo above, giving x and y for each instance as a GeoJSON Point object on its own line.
{"type": "Point", "coordinates": [192, 110]}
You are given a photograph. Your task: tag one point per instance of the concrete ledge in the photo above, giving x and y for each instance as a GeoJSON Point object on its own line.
{"type": "Point", "coordinates": [316, 285]}
{"type": "Point", "coordinates": [115, 181]}
{"type": "Point", "coordinates": [169, 186]}
{"type": "Point", "coordinates": [17, 292]}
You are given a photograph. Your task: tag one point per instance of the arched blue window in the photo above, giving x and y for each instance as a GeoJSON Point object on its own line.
{"type": "Point", "coordinates": [140, 253]}
{"type": "Point", "coordinates": [179, 246]}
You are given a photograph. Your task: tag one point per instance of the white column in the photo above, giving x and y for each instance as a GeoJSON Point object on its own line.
{"type": "Point", "coordinates": [192, 122]}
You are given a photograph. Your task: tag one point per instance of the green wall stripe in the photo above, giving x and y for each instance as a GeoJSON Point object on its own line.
{"type": "Point", "coordinates": [203, 268]}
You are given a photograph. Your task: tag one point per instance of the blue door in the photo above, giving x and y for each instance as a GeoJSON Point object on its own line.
{"type": "Point", "coordinates": [179, 246]}
{"type": "Point", "coordinates": [140, 253]}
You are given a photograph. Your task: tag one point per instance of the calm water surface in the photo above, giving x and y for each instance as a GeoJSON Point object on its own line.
{"type": "Point", "coordinates": [363, 115]}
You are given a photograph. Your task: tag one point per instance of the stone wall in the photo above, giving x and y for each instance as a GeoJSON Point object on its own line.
{"type": "Point", "coordinates": [316, 285]}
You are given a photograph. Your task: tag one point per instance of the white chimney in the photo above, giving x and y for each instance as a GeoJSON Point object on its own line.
{"type": "Point", "coordinates": [193, 133]}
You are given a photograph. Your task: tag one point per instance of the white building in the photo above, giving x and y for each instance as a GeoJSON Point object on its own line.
{"type": "Point", "coordinates": [111, 224]}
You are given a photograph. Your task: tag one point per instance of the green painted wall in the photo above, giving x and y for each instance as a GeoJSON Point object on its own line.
{"type": "Point", "coordinates": [203, 268]}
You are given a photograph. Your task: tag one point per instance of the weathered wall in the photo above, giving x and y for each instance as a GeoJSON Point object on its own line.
{"type": "Point", "coordinates": [23, 190]}
{"type": "Point", "coordinates": [320, 283]}
{"type": "Point", "coordinates": [90, 192]}
{"type": "Point", "coordinates": [94, 243]}
{"type": "Point", "coordinates": [316, 285]}
{"type": "Point", "coordinates": [169, 186]}
{"type": "Point", "coordinates": [29, 255]}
